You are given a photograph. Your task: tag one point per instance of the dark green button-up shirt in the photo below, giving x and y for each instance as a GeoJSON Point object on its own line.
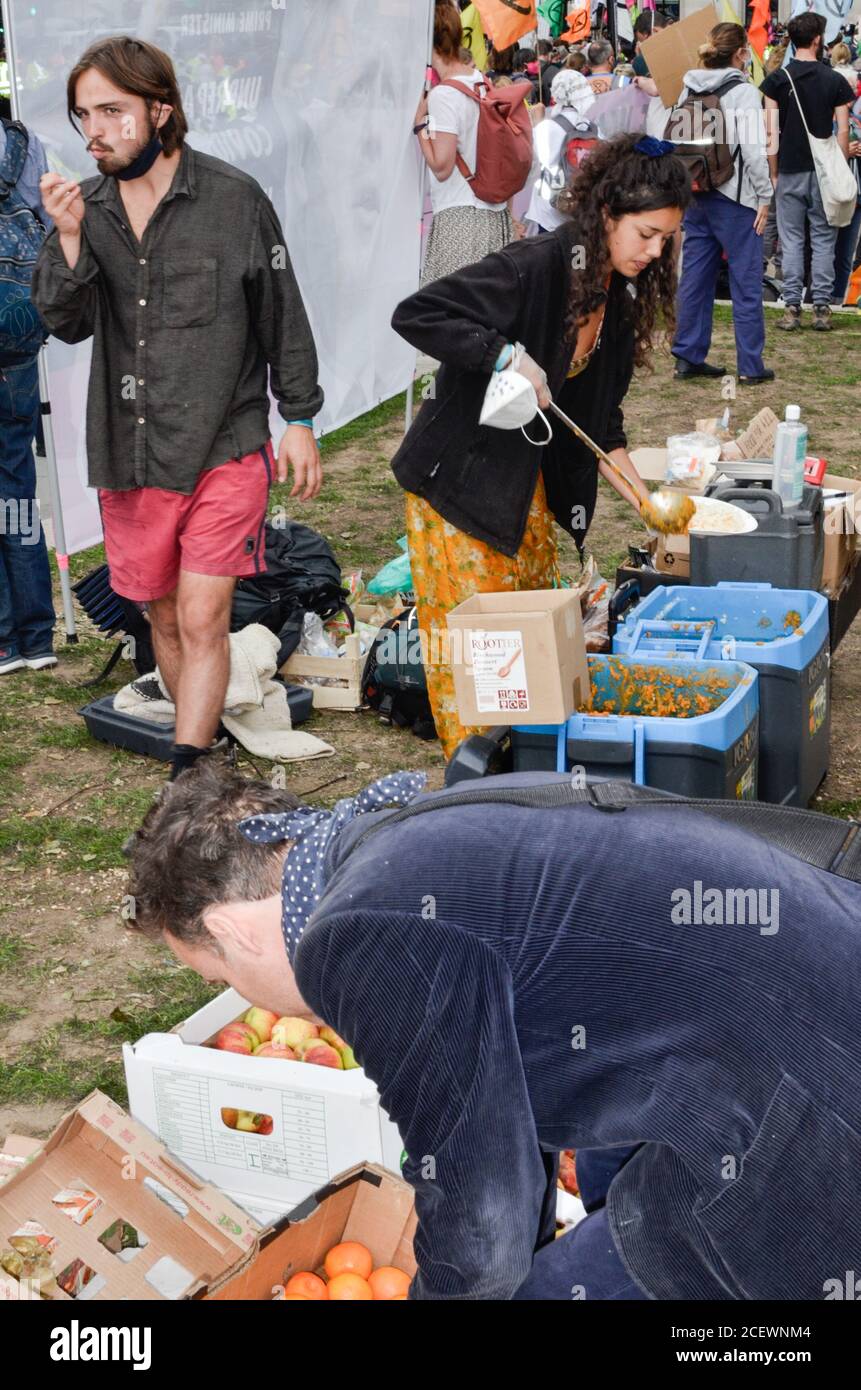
{"type": "Point", "coordinates": [184, 325]}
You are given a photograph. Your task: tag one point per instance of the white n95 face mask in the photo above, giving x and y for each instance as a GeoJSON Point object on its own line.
{"type": "Point", "coordinates": [510, 403]}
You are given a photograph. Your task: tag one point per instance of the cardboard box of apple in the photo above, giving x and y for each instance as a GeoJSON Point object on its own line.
{"type": "Point", "coordinates": [260, 1033]}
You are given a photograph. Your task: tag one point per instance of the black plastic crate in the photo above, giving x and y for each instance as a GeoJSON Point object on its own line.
{"type": "Point", "coordinates": [137, 735]}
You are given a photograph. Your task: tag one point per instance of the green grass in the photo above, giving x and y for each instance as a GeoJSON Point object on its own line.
{"type": "Point", "coordinates": [42, 1072]}
{"type": "Point", "coordinates": [65, 736]}
{"type": "Point", "coordinates": [11, 952]}
{"type": "Point", "coordinates": [847, 810]}
{"type": "Point", "coordinates": [356, 430]}
{"type": "Point", "coordinates": [71, 844]}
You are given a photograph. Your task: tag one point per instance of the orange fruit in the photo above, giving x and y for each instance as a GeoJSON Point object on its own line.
{"type": "Point", "coordinates": [349, 1286]}
{"type": "Point", "coordinates": [348, 1258]}
{"type": "Point", "coordinates": [388, 1283]}
{"type": "Point", "coordinates": [294, 1298]}
{"type": "Point", "coordinates": [306, 1286]}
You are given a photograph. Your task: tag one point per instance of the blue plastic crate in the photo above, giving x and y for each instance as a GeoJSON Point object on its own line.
{"type": "Point", "coordinates": [712, 753]}
{"type": "Point", "coordinates": [783, 635]}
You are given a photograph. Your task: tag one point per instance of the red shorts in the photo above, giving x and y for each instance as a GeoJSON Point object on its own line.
{"type": "Point", "coordinates": [151, 534]}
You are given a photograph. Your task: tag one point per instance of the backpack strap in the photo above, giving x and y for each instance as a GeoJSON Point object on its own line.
{"type": "Point", "coordinates": [823, 842]}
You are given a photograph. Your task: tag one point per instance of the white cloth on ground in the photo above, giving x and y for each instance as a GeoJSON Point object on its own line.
{"type": "Point", "coordinates": [256, 711]}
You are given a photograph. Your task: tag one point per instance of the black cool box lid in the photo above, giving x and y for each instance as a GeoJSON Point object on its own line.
{"type": "Point", "coordinates": [138, 735]}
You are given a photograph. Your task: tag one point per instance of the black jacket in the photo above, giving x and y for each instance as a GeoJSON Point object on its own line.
{"type": "Point", "coordinates": [482, 479]}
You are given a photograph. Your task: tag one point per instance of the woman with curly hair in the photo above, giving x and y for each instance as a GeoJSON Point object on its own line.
{"type": "Point", "coordinates": [576, 309]}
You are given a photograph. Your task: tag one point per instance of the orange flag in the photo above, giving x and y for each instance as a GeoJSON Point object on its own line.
{"type": "Point", "coordinates": [506, 21]}
{"type": "Point", "coordinates": [758, 32]}
{"type": "Point", "coordinates": [579, 22]}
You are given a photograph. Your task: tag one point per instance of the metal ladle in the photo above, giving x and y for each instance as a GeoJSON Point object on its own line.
{"type": "Point", "coordinates": [667, 512]}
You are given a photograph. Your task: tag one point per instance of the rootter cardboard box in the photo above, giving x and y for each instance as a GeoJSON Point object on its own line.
{"type": "Point", "coordinates": [519, 658]}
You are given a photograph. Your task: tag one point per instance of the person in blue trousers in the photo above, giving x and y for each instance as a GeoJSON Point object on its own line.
{"type": "Point", "coordinates": [728, 221]}
{"type": "Point", "coordinates": [26, 606]}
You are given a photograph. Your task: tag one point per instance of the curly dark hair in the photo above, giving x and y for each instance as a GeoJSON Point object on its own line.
{"type": "Point", "coordinates": [618, 179]}
{"type": "Point", "coordinates": [188, 854]}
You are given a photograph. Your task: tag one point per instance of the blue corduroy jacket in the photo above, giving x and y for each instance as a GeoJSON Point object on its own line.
{"type": "Point", "coordinates": [518, 981]}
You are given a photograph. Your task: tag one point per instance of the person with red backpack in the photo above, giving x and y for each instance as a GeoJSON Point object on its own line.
{"type": "Point", "coordinates": [477, 143]}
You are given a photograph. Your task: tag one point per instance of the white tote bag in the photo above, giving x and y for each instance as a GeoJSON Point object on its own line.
{"type": "Point", "coordinates": [836, 180]}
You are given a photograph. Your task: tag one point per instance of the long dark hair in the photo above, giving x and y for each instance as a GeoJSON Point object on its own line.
{"type": "Point", "coordinates": [140, 69]}
{"type": "Point", "coordinates": [618, 179]}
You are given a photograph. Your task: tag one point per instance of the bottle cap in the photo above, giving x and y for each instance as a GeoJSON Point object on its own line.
{"type": "Point", "coordinates": [793, 412]}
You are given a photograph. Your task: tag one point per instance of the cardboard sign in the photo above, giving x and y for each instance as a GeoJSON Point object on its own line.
{"type": "Point", "coordinates": [672, 52]}
{"type": "Point", "coordinates": [757, 441]}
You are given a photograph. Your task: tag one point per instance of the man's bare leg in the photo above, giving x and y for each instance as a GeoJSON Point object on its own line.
{"type": "Point", "coordinates": [165, 639]}
{"type": "Point", "coordinates": [203, 603]}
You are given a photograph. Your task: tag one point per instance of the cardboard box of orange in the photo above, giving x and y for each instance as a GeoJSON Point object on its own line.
{"type": "Point", "coordinates": [103, 1212]}
{"type": "Point", "coordinates": [519, 658]}
{"type": "Point", "coordinates": [366, 1203]}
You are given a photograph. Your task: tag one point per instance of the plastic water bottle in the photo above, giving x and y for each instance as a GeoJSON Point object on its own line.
{"type": "Point", "coordinates": [790, 451]}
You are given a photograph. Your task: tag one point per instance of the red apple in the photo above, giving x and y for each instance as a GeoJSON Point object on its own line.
{"type": "Point", "coordinates": [237, 1037]}
{"type": "Point", "coordinates": [271, 1049]}
{"type": "Point", "coordinates": [229, 1118]}
{"type": "Point", "coordinates": [347, 1058]}
{"type": "Point", "coordinates": [261, 1020]}
{"type": "Point", "coordinates": [321, 1054]}
{"type": "Point", "coordinates": [330, 1036]}
{"type": "Point", "coordinates": [292, 1032]}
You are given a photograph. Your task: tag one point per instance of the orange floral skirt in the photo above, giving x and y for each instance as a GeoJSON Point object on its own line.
{"type": "Point", "coordinates": [449, 566]}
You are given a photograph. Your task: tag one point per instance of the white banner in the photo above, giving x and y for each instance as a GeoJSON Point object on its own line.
{"type": "Point", "coordinates": [836, 13]}
{"type": "Point", "coordinates": [315, 99]}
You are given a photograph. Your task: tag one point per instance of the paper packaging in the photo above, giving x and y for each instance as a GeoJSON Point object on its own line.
{"type": "Point", "coordinates": [842, 527]}
{"type": "Point", "coordinates": [323, 1120]}
{"type": "Point", "coordinates": [366, 1203]}
{"type": "Point", "coordinates": [99, 1148]}
{"type": "Point", "coordinates": [673, 555]}
{"type": "Point", "coordinates": [671, 52]}
{"type": "Point", "coordinates": [519, 658]}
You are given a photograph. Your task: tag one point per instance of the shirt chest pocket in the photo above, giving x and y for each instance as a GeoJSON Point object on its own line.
{"type": "Point", "coordinates": [190, 295]}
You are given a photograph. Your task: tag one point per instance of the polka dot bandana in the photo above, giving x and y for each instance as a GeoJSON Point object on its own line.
{"type": "Point", "coordinates": [312, 831]}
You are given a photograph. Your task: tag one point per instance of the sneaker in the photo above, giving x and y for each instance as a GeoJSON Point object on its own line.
{"type": "Point", "coordinates": [822, 318]}
{"type": "Point", "coordinates": [8, 662]}
{"type": "Point", "coordinates": [39, 663]}
{"type": "Point", "coordinates": [791, 318]}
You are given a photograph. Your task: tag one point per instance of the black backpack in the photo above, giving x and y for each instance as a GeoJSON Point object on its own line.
{"type": "Point", "coordinates": [393, 681]}
{"type": "Point", "coordinates": [302, 576]}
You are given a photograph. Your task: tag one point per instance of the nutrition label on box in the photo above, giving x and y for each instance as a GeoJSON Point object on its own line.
{"type": "Point", "coordinates": [189, 1112]}
{"type": "Point", "coordinates": [499, 671]}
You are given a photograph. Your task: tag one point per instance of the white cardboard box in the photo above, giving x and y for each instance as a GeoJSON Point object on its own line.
{"type": "Point", "coordinates": [323, 1120]}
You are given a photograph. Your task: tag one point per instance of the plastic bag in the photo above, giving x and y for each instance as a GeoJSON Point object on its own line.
{"type": "Point", "coordinates": [689, 455]}
{"type": "Point", "coordinates": [395, 577]}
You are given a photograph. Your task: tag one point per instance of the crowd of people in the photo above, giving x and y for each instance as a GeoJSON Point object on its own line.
{"type": "Point", "coordinates": [463, 1016]}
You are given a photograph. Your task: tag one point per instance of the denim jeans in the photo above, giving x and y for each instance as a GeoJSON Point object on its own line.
{"type": "Point", "coordinates": [799, 204]}
{"type": "Point", "coordinates": [26, 607]}
{"type": "Point", "coordinates": [844, 254]}
{"type": "Point", "coordinates": [584, 1264]}
{"type": "Point", "coordinates": [715, 225]}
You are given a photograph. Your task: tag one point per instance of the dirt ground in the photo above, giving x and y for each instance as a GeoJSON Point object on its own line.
{"type": "Point", "coordinates": [74, 981]}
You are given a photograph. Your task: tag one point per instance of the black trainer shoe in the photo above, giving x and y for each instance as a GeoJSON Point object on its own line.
{"type": "Point", "coordinates": [684, 368]}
